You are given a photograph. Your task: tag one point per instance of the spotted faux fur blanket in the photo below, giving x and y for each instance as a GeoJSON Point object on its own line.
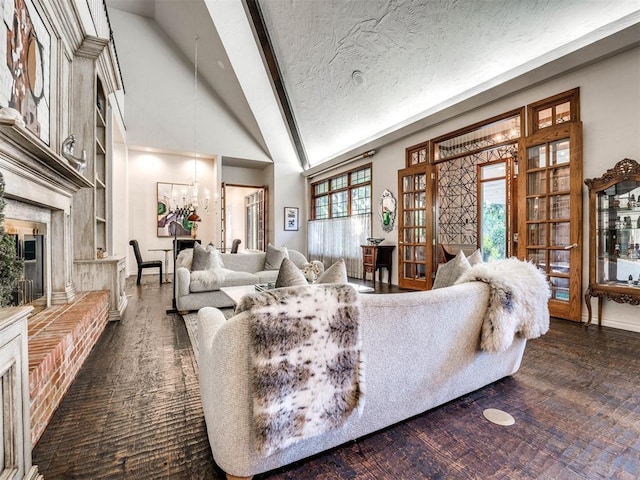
{"type": "Point", "coordinates": [518, 301]}
{"type": "Point", "coordinates": [307, 368]}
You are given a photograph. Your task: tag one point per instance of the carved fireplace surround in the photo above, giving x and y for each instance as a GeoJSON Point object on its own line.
{"type": "Point", "coordinates": [39, 186]}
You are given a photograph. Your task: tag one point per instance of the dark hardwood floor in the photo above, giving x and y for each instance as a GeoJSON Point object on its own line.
{"type": "Point", "coordinates": [134, 412]}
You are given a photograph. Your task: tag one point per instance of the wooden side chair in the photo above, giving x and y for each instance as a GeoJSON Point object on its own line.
{"type": "Point", "coordinates": [142, 264]}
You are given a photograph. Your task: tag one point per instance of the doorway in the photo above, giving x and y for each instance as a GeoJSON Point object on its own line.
{"type": "Point", "coordinates": [243, 216]}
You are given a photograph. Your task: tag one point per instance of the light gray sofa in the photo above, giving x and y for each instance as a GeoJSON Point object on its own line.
{"type": "Point", "coordinates": [421, 350]}
{"type": "Point", "coordinates": [239, 269]}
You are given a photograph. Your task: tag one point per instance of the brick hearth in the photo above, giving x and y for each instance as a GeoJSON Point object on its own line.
{"type": "Point", "coordinates": [60, 339]}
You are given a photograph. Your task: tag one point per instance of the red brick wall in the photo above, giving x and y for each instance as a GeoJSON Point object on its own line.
{"type": "Point", "coordinates": [60, 339]}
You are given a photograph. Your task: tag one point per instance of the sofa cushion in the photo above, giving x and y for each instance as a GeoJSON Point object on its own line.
{"type": "Point", "coordinates": [205, 258]}
{"type": "Point", "coordinates": [336, 273]}
{"type": "Point", "coordinates": [290, 275]}
{"type": "Point", "coordinates": [449, 272]}
{"type": "Point", "coordinates": [274, 257]}
{"type": "Point", "coordinates": [206, 280]}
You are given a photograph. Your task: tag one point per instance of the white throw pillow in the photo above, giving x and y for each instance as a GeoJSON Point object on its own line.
{"type": "Point", "coordinates": [475, 257]}
{"type": "Point", "coordinates": [449, 272]}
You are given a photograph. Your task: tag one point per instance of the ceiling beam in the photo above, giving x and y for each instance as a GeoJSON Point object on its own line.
{"type": "Point", "coordinates": [257, 19]}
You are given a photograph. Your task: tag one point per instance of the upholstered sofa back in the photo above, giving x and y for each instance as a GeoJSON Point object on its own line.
{"type": "Point", "coordinates": [254, 262]}
{"type": "Point", "coordinates": [421, 350]}
{"type": "Point", "coordinates": [244, 262]}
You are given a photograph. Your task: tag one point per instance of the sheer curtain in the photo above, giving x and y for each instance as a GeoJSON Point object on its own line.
{"type": "Point", "coordinates": [336, 238]}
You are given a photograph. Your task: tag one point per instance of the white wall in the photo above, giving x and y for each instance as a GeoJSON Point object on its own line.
{"type": "Point", "coordinates": [610, 106]}
{"type": "Point", "coordinates": [244, 175]}
{"type": "Point", "coordinates": [159, 86]}
{"type": "Point", "coordinates": [145, 171]}
{"type": "Point", "coordinates": [289, 190]}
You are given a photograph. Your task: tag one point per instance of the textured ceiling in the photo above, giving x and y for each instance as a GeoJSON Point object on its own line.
{"type": "Point", "coordinates": [353, 69]}
{"type": "Point", "coordinates": [356, 70]}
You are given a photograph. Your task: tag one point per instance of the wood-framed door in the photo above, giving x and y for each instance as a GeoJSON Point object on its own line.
{"type": "Point", "coordinates": [415, 227]}
{"type": "Point", "coordinates": [550, 205]}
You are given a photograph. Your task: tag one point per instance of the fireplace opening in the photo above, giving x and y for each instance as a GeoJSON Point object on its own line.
{"type": "Point", "coordinates": [29, 238]}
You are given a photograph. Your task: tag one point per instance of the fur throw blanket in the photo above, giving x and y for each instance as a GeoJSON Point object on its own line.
{"type": "Point", "coordinates": [307, 368]}
{"type": "Point", "coordinates": [518, 301]}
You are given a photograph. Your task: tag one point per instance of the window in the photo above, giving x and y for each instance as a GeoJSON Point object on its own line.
{"type": "Point", "coordinates": [552, 111]}
{"type": "Point", "coordinates": [344, 195]}
{"type": "Point", "coordinates": [416, 154]}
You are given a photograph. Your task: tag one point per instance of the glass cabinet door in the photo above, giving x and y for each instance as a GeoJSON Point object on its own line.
{"type": "Point", "coordinates": [614, 229]}
{"type": "Point", "coordinates": [618, 235]}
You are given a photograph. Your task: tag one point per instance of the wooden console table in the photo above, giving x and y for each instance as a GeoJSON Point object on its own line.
{"type": "Point", "coordinates": [376, 257]}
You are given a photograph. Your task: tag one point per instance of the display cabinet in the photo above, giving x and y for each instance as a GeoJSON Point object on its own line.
{"type": "Point", "coordinates": [614, 247]}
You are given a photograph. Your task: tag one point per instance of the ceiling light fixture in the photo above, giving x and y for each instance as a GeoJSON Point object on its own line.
{"type": "Point", "coordinates": [187, 209]}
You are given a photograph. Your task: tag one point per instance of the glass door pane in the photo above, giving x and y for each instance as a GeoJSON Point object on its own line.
{"type": "Point", "coordinates": [551, 229]}
{"type": "Point", "coordinates": [414, 252]}
{"type": "Point", "coordinates": [493, 211]}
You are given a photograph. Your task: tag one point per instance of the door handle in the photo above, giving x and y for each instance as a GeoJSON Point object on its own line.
{"type": "Point", "coordinates": [569, 247]}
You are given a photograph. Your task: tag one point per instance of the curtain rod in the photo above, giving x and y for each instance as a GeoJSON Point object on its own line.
{"type": "Point", "coordinates": [367, 154]}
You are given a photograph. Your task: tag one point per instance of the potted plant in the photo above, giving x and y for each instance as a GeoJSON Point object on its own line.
{"type": "Point", "coordinates": [10, 264]}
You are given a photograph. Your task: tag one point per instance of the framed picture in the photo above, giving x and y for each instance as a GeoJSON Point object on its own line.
{"type": "Point", "coordinates": [291, 218]}
{"type": "Point", "coordinates": [172, 214]}
{"type": "Point", "coordinates": [25, 56]}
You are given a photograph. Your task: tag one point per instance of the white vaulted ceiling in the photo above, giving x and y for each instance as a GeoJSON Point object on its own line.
{"type": "Point", "coordinates": [356, 71]}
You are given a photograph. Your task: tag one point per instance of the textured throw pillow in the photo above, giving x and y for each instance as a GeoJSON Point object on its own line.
{"type": "Point", "coordinates": [475, 257]}
{"type": "Point", "coordinates": [290, 275]}
{"type": "Point", "coordinates": [205, 258]}
{"type": "Point", "coordinates": [449, 272]}
{"type": "Point", "coordinates": [274, 257]}
{"type": "Point", "coordinates": [336, 273]}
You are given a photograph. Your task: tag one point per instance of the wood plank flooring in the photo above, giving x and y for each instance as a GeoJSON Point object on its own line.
{"type": "Point", "coordinates": [134, 412]}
